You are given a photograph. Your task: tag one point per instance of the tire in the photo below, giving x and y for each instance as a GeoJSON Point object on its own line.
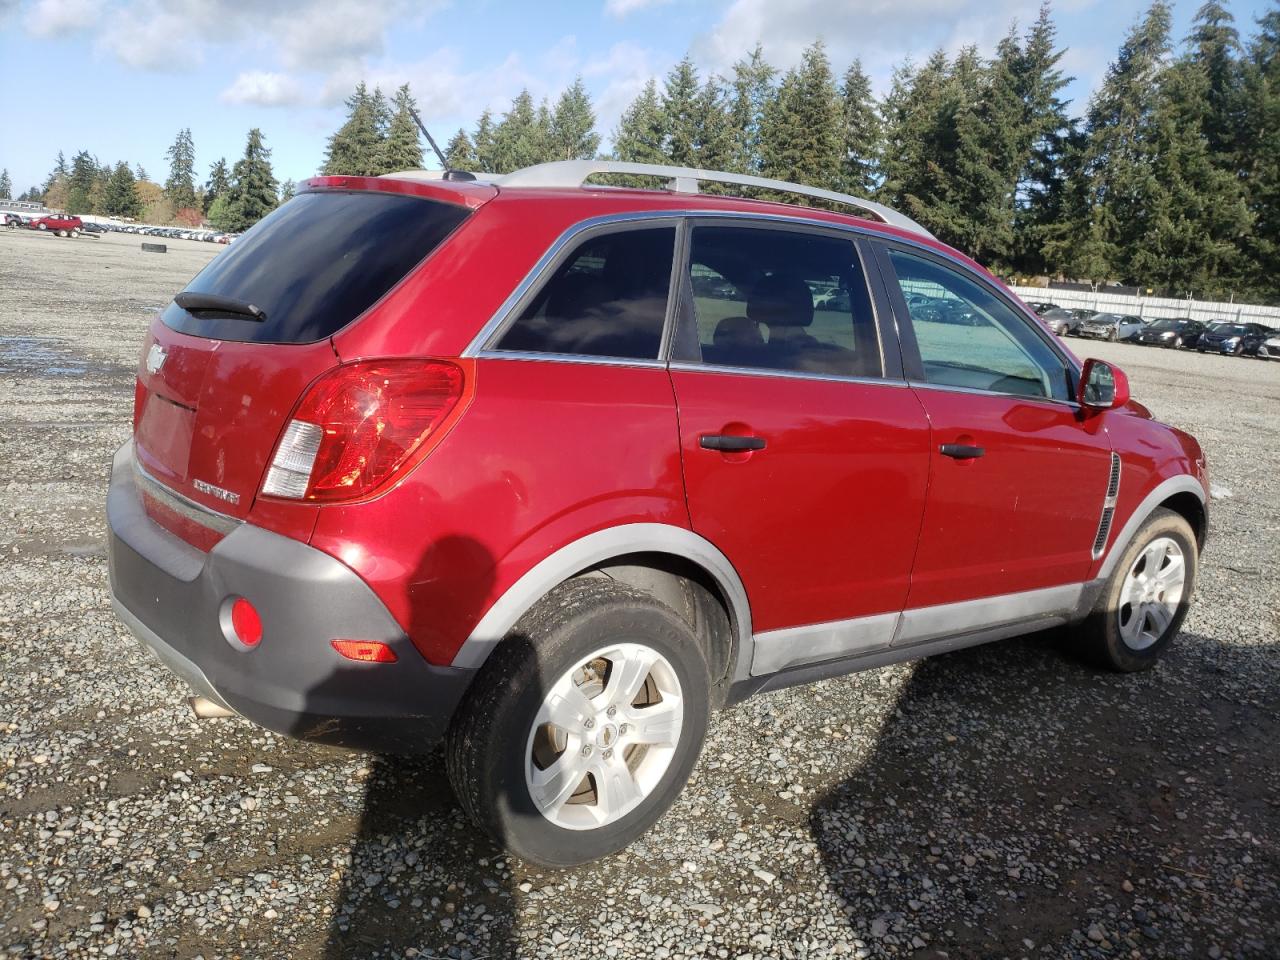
{"type": "Point", "coordinates": [495, 734]}
{"type": "Point", "coordinates": [42, 226]}
{"type": "Point", "coordinates": [1117, 634]}
{"type": "Point", "coordinates": [1238, 350]}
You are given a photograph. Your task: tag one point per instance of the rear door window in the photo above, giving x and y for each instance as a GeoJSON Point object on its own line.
{"type": "Point", "coordinates": [315, 264]}
{"type": "Point", "coordinates": [607, 299]}
{"type": "Point", "coordinates": [782, 300]}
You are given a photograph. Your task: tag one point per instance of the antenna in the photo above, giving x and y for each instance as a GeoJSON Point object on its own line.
{"type": "Point", "coordinates": [430, 139]}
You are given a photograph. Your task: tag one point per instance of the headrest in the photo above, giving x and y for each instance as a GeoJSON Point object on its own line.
{"type": "Point", "coordinates": [781, 300]}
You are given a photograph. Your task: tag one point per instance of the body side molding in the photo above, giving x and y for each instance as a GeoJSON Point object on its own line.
{"type": "Point", "coordinates": [594, 549]}
{"type": "Point", "coordinates": [1182, 483]}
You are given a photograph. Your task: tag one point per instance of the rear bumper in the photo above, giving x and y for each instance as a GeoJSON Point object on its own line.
{"type": "Point", "coordinates": [169, 595]}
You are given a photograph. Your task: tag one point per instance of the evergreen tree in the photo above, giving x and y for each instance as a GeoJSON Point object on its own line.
{"type": "Point", "coordinates": [80, 183]}
{"type": "Point", "coordinates": [403, 149]}
{"type": "Point", "coordinates": [916, 137]}
{"type": "Point", "coordinates": [1122, 191]}
{"type": "Point", "coordinates": [6, 185]}
{"type": "Point", "coordinates": [180, 188]}
{"type": "Point", "coordinates": [680, 114]}
{"type": "Point", "coordinates": [253, 192]}
{"type": "Point", "coordinates": [120, 198]}
{"type": "Point", "coordinates": [59, 172]}
{"type": "Point", "coordinates": [573, 135]}
{"type": "Point", "coordinates": [801, 138]}
{"type": "Point", "coordinates": [520, 139]}
{"type": "Point", "coordinates": [1215, 54]}
{"type": "Point", "coordinates": [287, 190]}
{"type": "Point", "coordinates": [460, 154]}
{"type": "Point", "coordinates": [861, 132]}
{"type": "Point", "coordinates": [139, 173]}
{"type": "Point", "coordinates": [486, 158]}
{"type": "Point", "coordinates": [1261, 156]}
{"type": "Point", "coordinates": [641, 131]}
{"type": "Point", "coordinates": [1041, 181]}
{"type": "Point", "coordinates": [356, 148]}
{"type": "Point", "coordinates": [714, 146]}
{"type": "Point", "coordinates": [752, 90]}
{"type": "Point", "coordinates": [216, 185]}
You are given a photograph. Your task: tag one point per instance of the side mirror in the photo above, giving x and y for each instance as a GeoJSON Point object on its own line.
{"type": "Point", "coordinates": [1102, 386]}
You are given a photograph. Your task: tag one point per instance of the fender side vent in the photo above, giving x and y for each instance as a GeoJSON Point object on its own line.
{"type": "Point", "coordinates": [1108, 508]}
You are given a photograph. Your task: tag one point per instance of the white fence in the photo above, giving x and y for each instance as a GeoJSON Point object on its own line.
{"type": "Point", "coordinates": [1153, 307]}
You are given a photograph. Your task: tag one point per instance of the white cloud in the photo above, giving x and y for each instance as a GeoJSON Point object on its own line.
{"type": "Point", "coordinates": [880, 32]}
{"type": "Point", "coordinates": [624, 8]}
{"type": "Point", "coordinates": [623, 70]}
{"type": "Point", "coordinates": [57, 18]}
{"type": "Point", "coordinates": [264, 89]}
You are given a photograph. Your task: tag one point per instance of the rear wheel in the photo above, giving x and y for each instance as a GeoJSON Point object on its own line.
{"type": "Point", "coordinates": [1143, 603]}
{"type": "Point", "coordinates": [583, 726]}
{"type": "Point", "coordinates": [75, 233]}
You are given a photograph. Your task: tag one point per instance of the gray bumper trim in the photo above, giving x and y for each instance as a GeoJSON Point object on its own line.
{"type": "Point", "coordinates": [170, 596]}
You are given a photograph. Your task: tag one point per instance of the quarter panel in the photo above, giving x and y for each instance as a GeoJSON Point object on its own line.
{"type": "Point", "coordinates": [547, 453]}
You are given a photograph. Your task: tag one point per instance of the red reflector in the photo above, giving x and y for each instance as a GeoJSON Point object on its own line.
{"type": "Point", "coordinates": [365, 651]}
{"type": "Point", "coordinates": [246, 623]}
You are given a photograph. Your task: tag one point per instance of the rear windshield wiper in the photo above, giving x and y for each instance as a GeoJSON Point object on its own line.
{"type": "Point", "coordinates": [215, 303]}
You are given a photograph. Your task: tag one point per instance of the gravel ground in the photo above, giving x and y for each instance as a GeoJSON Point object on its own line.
{"type": "Point", "coordinates": [1005, 801]}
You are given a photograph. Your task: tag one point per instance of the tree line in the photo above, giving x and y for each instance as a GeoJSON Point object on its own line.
{"type": "Point", "coordinates": [233, 198]}
{"type": "Point", "coordinates": [1170, 181]}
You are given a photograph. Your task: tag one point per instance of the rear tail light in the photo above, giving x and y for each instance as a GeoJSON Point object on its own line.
{"type": "Point", "coordinates": [363, 424]}
{"type": "Point", "coordinates": [365, 651]}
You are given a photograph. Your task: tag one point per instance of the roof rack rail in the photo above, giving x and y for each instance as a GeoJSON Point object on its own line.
{"type": "Point", "coordinates": [574, 173]}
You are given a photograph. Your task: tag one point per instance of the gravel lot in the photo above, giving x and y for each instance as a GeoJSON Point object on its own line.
{"type": "Point", "coordinates": [999, 802]}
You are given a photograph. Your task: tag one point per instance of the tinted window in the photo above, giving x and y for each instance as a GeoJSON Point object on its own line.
{"type": "Point", "coordinates": [316, 263]}
{"type": "Point", "coordinates": [781, 300]}
{"type": "Point", "coordinates": [970, 338]}
{"type": "Point", "coordinates": [608, 299]}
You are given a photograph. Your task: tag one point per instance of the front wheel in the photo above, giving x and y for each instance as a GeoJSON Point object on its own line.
{"type": "Point", "coordinates": [1144, 601]}
{"type": "Point", "coordinates": [1177, 343]}
{"type": "Point", "coordinates": [583, 726]}
{"type": "Point", "coordinates": [1112, 336]}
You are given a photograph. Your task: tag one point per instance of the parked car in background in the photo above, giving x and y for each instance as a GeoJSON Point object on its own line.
{"type": "Point", "coordinates": [61, 224]}
{"type": "Point", "coordinates": [93, 231]}
{"type": "Point", "coordinates": [566, 622]}
{"type": "Point", "coordinates": [1175, 332]}
{"type": "Point", "coordinates": [1240, 339]}
{"type": "Point", "coordinates": [1111, 326]}
{"type": "Point", "coordinates": [1040, 307]}
{"type": "Point", "coordinates": [1060, 321]}
{"type": "Point", "coordinates": [1269, 349]}
{"type": "Point", "coordinates": [14, 220]}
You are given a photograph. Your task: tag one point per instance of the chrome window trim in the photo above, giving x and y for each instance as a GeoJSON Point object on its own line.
{"type": "Point", "coordinates": [688, 366]}
{"type": "Point", "coordinates": [196, 512]}
{"type": "Point", "coordinates": [946, 388]}
{"type": "Point", "coordinates": [568, 358]}
{"type": "Point", "coordinates": [478, 344]}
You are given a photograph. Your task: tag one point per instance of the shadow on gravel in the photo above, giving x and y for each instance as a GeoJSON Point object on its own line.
{"type": "Point", "coordinates": [421, 876]}
{"type": "Point", "coordinates": [1017, 801]}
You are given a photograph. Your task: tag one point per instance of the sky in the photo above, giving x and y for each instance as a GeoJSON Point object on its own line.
{"type": "Point", "coordinates": [120, 78]}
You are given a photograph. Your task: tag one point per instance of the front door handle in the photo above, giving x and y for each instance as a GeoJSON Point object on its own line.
{"type": "Point", "coordinates": [726, 443]}
{"type": "Point", "coordinates": [961, 451]}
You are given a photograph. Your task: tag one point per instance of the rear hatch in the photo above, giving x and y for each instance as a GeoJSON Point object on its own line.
{"type": "Point", "coordinates": [226, 362]}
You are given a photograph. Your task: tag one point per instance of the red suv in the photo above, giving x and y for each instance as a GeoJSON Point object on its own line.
{"type": "Point", "coordinates": [62, 224]}
{"type": "Point", "coordinates": [551, 470]}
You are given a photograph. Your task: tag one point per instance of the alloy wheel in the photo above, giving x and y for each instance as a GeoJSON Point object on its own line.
{"type": "Point", "coordinates": [604, 736]}
{"type": "Point", "coordinates": [1151, 592]}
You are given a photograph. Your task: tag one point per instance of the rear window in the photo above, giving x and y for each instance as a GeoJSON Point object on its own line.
{"type": "Point", "coordinates": [315, 264]}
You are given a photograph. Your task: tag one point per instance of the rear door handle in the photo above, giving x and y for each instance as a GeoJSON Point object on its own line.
{"type": "Point", "coordinates": [727, 444]}
{"type": "Point", "coordinates": [961, 451]}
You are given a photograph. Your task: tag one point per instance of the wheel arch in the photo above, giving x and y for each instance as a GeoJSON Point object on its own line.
{"type": "Point", "coordinates": [680, 568]}
{"type": "Point", "coordinates": [1182, 494]}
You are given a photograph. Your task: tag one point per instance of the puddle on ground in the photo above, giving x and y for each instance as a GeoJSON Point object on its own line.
{"type": "Point", "coordinates": [47, 355]}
